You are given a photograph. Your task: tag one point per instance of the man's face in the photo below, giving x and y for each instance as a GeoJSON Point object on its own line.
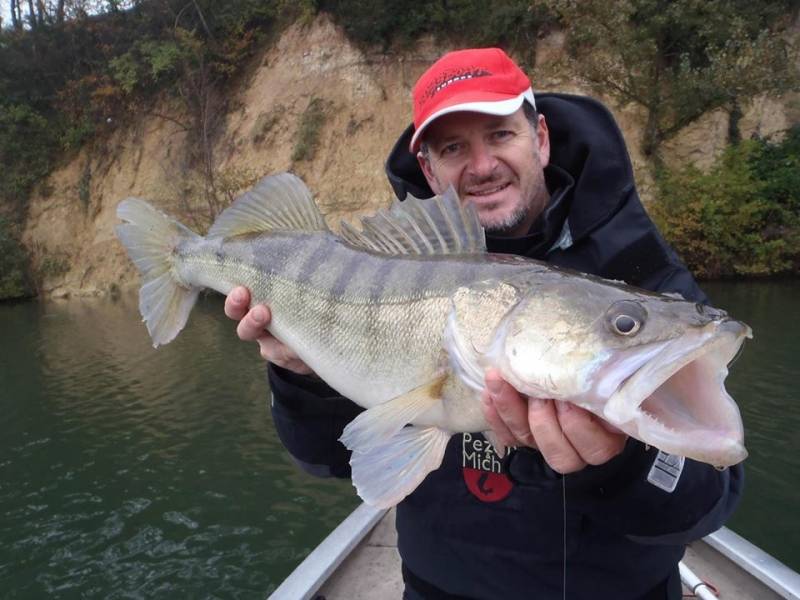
{"type": "Point", "coordinates": [494, 162]}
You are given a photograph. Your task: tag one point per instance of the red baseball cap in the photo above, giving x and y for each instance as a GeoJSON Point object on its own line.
{"type": "Point", "coordinates": [483, 80]}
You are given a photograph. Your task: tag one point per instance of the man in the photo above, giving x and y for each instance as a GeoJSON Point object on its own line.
{"type": "Point", "coordinates": [578, 509]}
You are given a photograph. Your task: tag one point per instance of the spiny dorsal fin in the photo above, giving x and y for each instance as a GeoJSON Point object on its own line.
{"type": "Point", "coordinates": [440, 225]}
{"type": "Point", "coordinates": [277, 203]}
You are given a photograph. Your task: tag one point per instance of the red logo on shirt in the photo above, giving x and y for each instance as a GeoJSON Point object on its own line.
{"type": "Point", "coordinates": [483, 472]}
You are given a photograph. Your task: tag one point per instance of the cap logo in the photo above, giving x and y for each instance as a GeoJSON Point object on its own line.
{"type": "Point", "coordinates": [452, 76]}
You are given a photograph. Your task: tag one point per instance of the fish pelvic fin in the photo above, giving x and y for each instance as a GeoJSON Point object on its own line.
{"type": "Point", "coordinates": [389, 460]}
{"type": "Point", "coordinates": [150, 238]}
{"type": "Point", "coordinates": [374, 426]}
{"type": "Point", "coordinates": [386, 474]}
{"type": "Point", "coordinates": [280, 202]}
{"type": "Point", "coordinates": [439, 225]}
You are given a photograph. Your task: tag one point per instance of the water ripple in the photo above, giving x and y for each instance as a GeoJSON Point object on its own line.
{"type": "Point", "coordinates": [129, 472]}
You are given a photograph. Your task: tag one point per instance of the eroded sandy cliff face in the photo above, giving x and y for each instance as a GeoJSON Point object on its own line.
{"type": "Point", "coordinates": [366, 101]}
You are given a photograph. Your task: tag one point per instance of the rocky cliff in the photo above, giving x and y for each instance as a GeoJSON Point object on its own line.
{"type": "Point", "coordinates": [365, 100]}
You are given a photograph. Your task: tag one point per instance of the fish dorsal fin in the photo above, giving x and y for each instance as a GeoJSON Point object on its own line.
{"type": "Point", "coordinates": [279, 202]}
{"type": "Point", "coordinates": [440, 225]}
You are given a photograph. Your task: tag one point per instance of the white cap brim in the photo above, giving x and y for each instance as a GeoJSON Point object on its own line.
{"type": "Point", "coordinates": [499, 107]}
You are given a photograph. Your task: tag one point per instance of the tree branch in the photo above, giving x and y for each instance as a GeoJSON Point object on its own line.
{"type": "Point", "coordinates": [180, 124]}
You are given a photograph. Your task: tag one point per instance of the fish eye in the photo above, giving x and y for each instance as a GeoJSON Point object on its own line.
{"type": "Point", "coordinates": [626, 317]}
{"type": "Point", "coordinates": [626, 325]}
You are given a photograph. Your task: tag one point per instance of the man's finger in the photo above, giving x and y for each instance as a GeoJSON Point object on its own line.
{"type": "Point", "coordinates": [280, 354]}
{"type": "Point", "coordinates": [511, 407]}
{"type": "Point", "coordinates": [553, 444]}
{"type": "Point", "coordinates": [593, 442]}
{"type": "Point", "coordinates": [501, 431]}
{"type": "Point", "coordinates": [273, 350]}
{"type": "Point", "coordinates": [252, 325]}
{"type": "Point", "coordinates": [237, 303]}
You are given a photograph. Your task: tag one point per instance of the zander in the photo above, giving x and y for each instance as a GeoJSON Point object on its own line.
{"type": "Point", "coordinates": [406, 315]}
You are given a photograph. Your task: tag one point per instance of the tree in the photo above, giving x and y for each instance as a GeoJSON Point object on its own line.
{"type": "Point", "coordinates": [679, 58]}
{"type": "Point", "coordinates": [16, 14]}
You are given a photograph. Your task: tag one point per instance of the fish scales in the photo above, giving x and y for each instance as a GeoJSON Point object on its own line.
{"type": "Point", "coordinates": [378, 317]}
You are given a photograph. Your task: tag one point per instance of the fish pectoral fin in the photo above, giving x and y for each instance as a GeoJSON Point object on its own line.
{"type": "Point", "coordinates": [387, 473]}
{"type": "Point", "coordinates": [379, 423]}
{"type": "Point", "coordinates": [499, 449]}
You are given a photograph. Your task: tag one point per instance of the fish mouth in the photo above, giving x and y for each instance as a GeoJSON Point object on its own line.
{"type": "Point", "coordinates": [674, 396]}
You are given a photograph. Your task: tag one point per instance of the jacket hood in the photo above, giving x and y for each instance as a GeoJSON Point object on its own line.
{"type": "Point", "coordinates": [585, 141]}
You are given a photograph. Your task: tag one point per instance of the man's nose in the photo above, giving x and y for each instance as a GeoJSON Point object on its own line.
{"type": "Point", "coordinates": [481, 160]}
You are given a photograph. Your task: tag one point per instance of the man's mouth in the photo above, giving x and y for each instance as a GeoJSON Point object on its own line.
{"type": "Point", "coordinates": [487, 190]}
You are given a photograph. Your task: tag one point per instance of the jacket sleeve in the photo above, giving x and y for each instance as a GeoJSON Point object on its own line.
{"type": "Point", "coordinates": [309, 417]}
{"type": "Point", "coordinates": [621, 496]}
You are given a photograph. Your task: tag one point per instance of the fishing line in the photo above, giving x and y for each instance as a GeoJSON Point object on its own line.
{"type": "Point", "coordinates": [736, 357]}
{"type": "Point", "coordinates": [564, 536]}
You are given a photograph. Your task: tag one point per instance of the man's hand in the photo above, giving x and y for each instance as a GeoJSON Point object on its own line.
{"type": "Point", "coordinates": [252, 328]}
{"type": "Point", "coordinates": [568, 436]}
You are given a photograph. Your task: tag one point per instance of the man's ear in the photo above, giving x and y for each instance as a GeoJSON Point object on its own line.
{"type": "Point", "coordinates": [543, 136]}
{"type": "Point", "coordinates": [424, 161]}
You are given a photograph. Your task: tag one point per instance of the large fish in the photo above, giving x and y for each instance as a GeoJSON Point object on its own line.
{"type": "Point", "coordinates": [406, 315]}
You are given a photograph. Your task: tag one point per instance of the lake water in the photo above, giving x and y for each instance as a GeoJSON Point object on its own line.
{"type": "Point", "coordinates": [128, 472]}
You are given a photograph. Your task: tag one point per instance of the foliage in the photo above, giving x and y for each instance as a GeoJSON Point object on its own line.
{"type": "Point", "coordinates": [53, 265]}
{"type": "Point", "coordinates": [679, 58]}
{"type": "Point", "coordinates": [265, 123]}
{"type": "Point", "coordinates": [26, 145]}
{"type": "Point", "coordinates": [513, 24]}
{"type": "Point", "coordinates": [65, 73]}
{"type": "Point", "coordinates": [740, 218]}
{"type": "Point", "coordinates": [311, 123]}
{"type": "Point", "coordinates": [14, 282]}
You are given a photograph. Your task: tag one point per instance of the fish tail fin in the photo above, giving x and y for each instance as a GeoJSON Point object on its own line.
{"type": "Point", "coordinates": [150, 238]}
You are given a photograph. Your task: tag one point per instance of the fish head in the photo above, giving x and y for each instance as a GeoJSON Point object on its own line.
{"type": "Point", "coordinates": [652, 365]}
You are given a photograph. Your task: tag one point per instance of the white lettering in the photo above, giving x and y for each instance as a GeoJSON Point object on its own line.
{"type": "Point", "coordinates": [477, 453]}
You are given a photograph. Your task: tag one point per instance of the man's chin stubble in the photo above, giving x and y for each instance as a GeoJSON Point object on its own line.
{"type": "Point", "coordinates": [505, 226]}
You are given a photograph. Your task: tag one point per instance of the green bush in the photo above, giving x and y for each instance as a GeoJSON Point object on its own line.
{"type": "Point", "coordinates": [60, 83]}
{"type": "Point", "coordinates": [26, 145]}
{"type": "Point", "coordinates": [14, 282]}
{"type": "Point", "coordinates": [308, 133]}
{"type": "Point", "coordinates": [740, 218]}
{"type": "Point", "coordinates": [513, 24]}
{"type": "Point", "coordinates": [53, 265]}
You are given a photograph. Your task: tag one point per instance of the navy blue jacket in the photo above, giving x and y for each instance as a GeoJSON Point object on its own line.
{"type": "Point", "coordinates": [479, 527]}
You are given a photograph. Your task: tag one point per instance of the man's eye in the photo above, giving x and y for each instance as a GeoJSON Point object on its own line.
{"type": "Point", "coordinates": [501, 134]}
{"type": "Point", "coordinates": [450, 149]}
